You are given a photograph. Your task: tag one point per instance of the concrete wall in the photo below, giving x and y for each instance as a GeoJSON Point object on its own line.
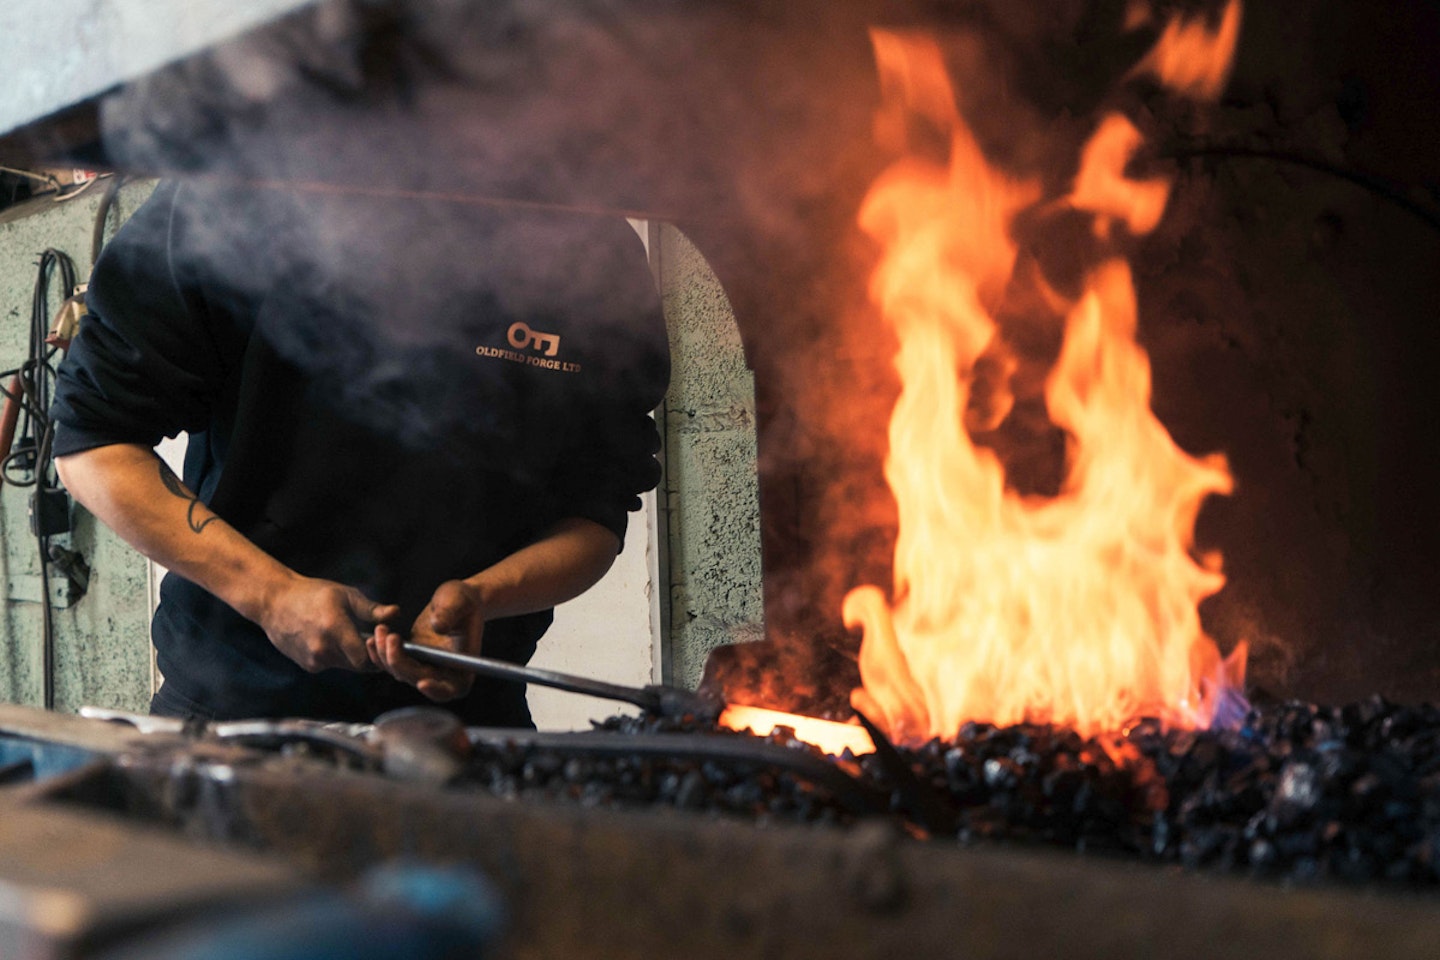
{"type": "Point", "coordinates": [102, 646]}
{"type": "Point", "coordinates": [711, 484]}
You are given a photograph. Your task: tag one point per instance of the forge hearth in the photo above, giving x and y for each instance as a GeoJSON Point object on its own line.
{"type": "Point", "coordinates": [1295, 792]}
{"type": "Point", "coordinates": [647, 880]}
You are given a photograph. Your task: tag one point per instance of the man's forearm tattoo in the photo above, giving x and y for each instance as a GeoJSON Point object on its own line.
{"type": "Point", "coordinates": [195, 516]}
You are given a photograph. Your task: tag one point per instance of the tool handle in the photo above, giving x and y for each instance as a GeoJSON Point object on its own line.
{"type": "Point", "coordinates": [10, 417]}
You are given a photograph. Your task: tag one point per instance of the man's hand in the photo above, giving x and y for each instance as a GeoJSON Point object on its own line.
{"type": "Point", "coordinates": [453, 620]}
{"type": "Point", "coordinates": [321, 624]}
{"type": "Point", "coordinates": [565, 561]}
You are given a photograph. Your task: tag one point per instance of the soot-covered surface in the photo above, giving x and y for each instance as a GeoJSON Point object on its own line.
{"type": "Point", "coordinates": [1297, 792]}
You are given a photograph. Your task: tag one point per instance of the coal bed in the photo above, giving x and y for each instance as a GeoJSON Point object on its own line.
{"type": "Point", "coordinates": [1296, 792]}
{"type": "Point", "coordinates": [647, 839]}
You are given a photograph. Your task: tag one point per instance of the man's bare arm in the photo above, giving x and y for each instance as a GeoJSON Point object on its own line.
{"type": "Point", "coordinates": [316, 623]}
{"type": "Point", "coordinates": [571, 557]}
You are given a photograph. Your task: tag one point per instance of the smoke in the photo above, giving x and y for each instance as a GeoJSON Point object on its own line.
{"type": "Point", "coordinates": [1031, 81]}
{"type": "Point", "coordinates": [386, 127]}
{"type": "Point", "coordinates": [391, 167]}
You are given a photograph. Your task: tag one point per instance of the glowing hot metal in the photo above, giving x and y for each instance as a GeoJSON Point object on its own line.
{"type": "Point", "coordinates": [834, 738]}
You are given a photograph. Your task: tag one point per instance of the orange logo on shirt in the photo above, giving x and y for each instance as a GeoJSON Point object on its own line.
{"type": "Point", "coordinates": [521, 336]}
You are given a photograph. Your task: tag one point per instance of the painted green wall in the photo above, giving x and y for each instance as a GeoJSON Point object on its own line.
{"type": "Point", "coordinates": [102, 648]}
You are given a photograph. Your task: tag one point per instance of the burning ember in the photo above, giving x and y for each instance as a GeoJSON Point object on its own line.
{"type": "Point", "coordinates": [1078, 609]}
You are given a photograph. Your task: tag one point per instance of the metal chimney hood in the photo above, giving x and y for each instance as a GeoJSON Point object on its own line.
{"type": "Point", "coordinates": [60, 53]}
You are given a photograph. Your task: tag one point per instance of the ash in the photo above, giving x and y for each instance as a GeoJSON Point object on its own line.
{"type": "Point", "coordinates": [1297, 792]}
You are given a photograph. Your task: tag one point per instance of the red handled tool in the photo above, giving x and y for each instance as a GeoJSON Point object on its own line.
{"type": "Point", "coordinates": [10, 417]}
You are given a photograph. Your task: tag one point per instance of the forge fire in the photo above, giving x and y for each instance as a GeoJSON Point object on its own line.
{"type": "Point", "coordinates": [1040, 658]}
{"type": "Point", "coordinates": [1078, 609]}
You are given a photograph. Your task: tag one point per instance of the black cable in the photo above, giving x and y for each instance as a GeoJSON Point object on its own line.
{"type": "Point", "coordinates": [31, 452]}
{"type": "Point", "coordinates": [47, 647]}
{"type": "Point", "coordinates": [1395, 192]}
{"type": "Point", "coordinates": [37, 378]}
{"type": "Point", "coordinates": [102, 216]}
{"type": "Point", "coordinates": [41, 386]}
{"type": "Point", "coordinates": [47, 613]}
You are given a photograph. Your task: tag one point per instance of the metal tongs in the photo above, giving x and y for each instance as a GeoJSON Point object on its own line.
{"type": "Point", "coordinates": [657, 699]}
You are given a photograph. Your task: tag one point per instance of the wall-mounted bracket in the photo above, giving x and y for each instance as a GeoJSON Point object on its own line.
{"type": "Point", "coordinates": [29, 588]}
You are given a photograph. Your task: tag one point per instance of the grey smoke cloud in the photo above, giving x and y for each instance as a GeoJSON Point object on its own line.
{"type": "Point", "coordinates": [749, 122]}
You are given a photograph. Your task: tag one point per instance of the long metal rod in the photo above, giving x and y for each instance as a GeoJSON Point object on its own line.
{"type": "Point", "coordinates": [646, 699]}
{"type": "Point", "coordinates": [458, 197]}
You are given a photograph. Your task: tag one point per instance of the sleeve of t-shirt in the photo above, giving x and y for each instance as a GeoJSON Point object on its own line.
{"type": "Point", "coordinates": [612, 459]}
{"type": "Point", "coordinates": [620, 454]}
{"type": "Point", "coordinates": [144, 364]}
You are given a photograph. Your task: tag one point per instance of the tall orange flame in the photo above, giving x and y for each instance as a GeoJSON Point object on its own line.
{"type": "Point", "coordinates": [1192, 59]}
{"type": "Point", "coordinates": [1077, 609]}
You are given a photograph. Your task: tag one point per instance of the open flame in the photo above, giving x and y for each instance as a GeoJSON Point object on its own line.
{"type": "Point", "coordinates": [1078, 609]}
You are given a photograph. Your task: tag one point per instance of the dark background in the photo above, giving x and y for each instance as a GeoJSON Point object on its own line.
{"type": "Point", "coordinates": [1292, 318]}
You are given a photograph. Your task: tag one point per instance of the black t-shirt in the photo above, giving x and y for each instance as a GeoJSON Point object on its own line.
{"type": "Point", "coordinates": [388, 393]}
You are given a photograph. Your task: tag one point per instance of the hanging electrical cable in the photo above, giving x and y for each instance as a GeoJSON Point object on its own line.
{"type": "Point", "coordinates": [32, 383]}
{"type": "Point", "coordinates": [21, 186]}
{"type": "Point", "coordinates": [102, 216]}
{"type": "Point", "coordinates": [26, 432]}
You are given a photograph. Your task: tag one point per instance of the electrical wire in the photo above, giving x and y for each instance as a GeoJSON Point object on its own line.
{"type": "Point", "coordinates": [45, 178]}
{"type": "Point", "coordinates": [57, 192]}
{"type": "Point", "coordinates": [28, 463]}
{"type": "Point", "coordinates": [75, 190]}
{"type": "Point", "coordinates": [47, 618]}
{"type": "Point", "coordinates": [102, 217]}
{"type": "Point", "coordinates": [22, 466]}
{"type": "Point", "coordinates": [1393, 191]}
